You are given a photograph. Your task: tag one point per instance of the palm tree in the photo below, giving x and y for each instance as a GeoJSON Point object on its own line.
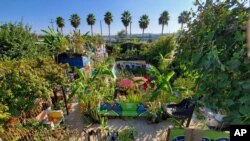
{"type": "Point", "coordinates": [183, 18]}
{"type": "Point", "coordinates": [126, 19]}
{"type": "Point", "coordinates": [143, 23]}
{"type": "Point", "coordinates": [75, 20]}
{"type": "Point", "coordinates": [91, 21]}
{"type": "Point", "coordinates": [108, 18]}
{"type": "Point", "coordinates": [60, 23]}
{"type": "Point", "coordinates": [163, 20]}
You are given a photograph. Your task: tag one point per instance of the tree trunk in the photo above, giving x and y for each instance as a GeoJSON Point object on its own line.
{"type": "Point", "coordinates": [126, 28]}
{"type": "Point", "coordinates": [130, 29]}
{"type": "Point", "coordinates": [109, 34]}
{"type": "Point", "coordinates": [62, 30]}
{"type": "Point", "coordinates": [162, 29]}
{"type": "Point", "coordinates": [181, 26]}
{"type": "Point", "coordinates": [91, 30]}
{"type": "Point", "coordinates": [143, 34]}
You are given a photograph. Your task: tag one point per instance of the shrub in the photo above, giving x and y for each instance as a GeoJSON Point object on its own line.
{"type": "Point", "coordinates": [16, 40]}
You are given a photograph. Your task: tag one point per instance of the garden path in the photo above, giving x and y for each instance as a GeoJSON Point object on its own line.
{"type": "Point", "coordinates": [145, 130]}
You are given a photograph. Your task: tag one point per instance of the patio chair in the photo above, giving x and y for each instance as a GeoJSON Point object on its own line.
{"type": "Point", "coordinates": [181, 111]}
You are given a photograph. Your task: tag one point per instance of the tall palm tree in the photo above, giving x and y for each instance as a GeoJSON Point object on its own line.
{"type": "Point", "coordinates": [163, 20]}
{"type": "Point", "coordinates": [91, 21]}
{"type": "Point", "coordinates": [126, 19]}
{"type": "Point", "coordinates": [60, 23]}
{"type": "Point", "coordinates": [184, 18]}
{"type": "Point", "coordinates": [143, 23]}
{"type": "Point", "coordinates": [108, 18]}
{"type": "Point", "coordinates": [75, 20]}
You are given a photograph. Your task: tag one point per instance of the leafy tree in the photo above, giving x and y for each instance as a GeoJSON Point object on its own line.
{"type": "Point", "coordinates": [108, 18]}
{"type": "Point", "coordinates": [75, 21]}
{"type": "Point", "coordinates": [34, 78]}
{"type": "Point", "coordinates": [16, 41]}
{"type": "Point", "coordinates": [214, 49]}
{"type": "Point", "coordinates": [143, 23]}
{"type": "Point", "coordinates": [60, 23]}
{"type": "Point", "coordinates": [91, 21]}
{"type": "Point", "coordinates": [184, 18]}
{"type": "Point", "coordinates": [163, 20]}
{"type": "Point", "coordinates": [126, 20]}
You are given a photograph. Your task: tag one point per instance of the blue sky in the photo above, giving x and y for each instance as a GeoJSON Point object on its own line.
{"type": "Point", "coordinates": [38, 13]}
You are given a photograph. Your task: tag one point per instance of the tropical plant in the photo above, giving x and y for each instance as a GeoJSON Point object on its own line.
{"type": "Point", "coordinates": [91, 21]}
{"type": "Point", "coordinates": [143, 23]}
{"type": "Point", "coordinates": [55, 41]}
{"type": "Point", "coordinates": [163, 86]}
{"type": "Point", "coordinates": [184, 18]}
{"type": "Point", "coordinates": [108, 18]}
{"type": "Point", "coordinates": [163, 20]}
{"type": "Point", "coordinates": [92, 88]}
{"type": "Point", "coordinates": [60, 23]}
{"type": "Point", "coordinates": [215, 50]}
{"type": "Point", "coordinates": [75, 21]}
{"type": "Point", "coordinates": [126, 20]}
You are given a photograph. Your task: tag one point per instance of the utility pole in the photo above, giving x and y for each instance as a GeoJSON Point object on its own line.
{"type": "Point", "coordinates": [101, 27]}
{"type": "Point", "coordinates": [52, 23]}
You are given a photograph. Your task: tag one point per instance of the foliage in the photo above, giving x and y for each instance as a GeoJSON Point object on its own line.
{"type": "Point", "coordinates": [163, 19]}
{"type": "Point", "coordinates": [126, 19]}
{"type": "Point", "coordinates": [55, 41]}
{"type": "Point", "coordinates": [144, 22]}
{"type": "Point", "coordinates": [93, 88]}
{"type": "Point", "coordinates": [127, 134]}
{"type": "Point", "coordinates": [19, 88]}
{"type": "Point", "coordinates": [75, 20]}
{"type": "Point", "coordinates": [214, 48]}
{"type": "Point", "coordinates": [16, 40]}
{"type": "Point", "coordinates": [108, 18]}
{"type": "Point", "coordinates": [4, 115]}
{"type": "Point", "coordinates": [91, 21]}
{"type": "Point", "coordinates": [163, 85]}
{"type": "Point", "coordinates": [60, 23]}
{"type": "Point", "coordinates": [184, 18]}
{"type": "Point", "coordinates": [161, 49]}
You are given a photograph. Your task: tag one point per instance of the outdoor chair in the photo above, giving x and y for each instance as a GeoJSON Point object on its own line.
{"type": "Point", "coordinates": [181, 111]}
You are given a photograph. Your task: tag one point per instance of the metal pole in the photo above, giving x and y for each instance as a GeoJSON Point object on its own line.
{"type": "Point", "coordinates": [52, 23]}
{"type": "Point", "coordinates": [65, 100]}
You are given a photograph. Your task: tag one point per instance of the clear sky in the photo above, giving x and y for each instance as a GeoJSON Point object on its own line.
{"type": "Point", "coordinates": [38, 13]}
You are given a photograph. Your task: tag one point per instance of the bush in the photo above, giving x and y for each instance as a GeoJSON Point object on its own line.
{"type": "Point", "coordinates": [23, 81]}
{"type": "Point", "coordinates": [157, 51]}
{"type": "Point", "coordinates": [16, 41]}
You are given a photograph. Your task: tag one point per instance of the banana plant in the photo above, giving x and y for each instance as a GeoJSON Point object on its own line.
{"type": "Point", "coordinates": [162, 83]}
